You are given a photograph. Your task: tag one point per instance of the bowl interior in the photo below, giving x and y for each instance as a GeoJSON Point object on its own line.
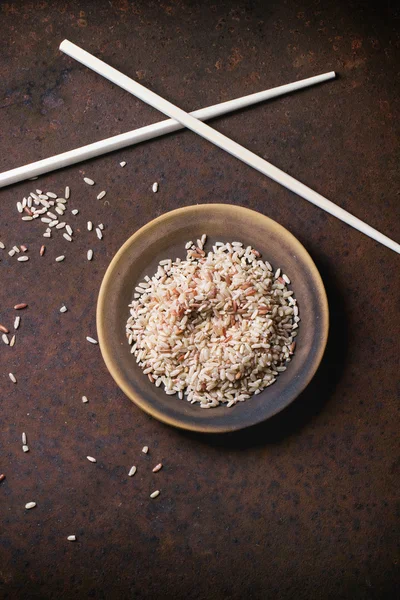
{"type": "Point", "coordinates": [165, 237]}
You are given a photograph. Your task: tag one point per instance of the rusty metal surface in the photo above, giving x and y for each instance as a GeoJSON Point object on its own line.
{"type": "Point", "coordinates": [304, 506]}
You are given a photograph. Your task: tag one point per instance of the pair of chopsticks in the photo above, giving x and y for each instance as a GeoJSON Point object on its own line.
{"type": "Point", "coordinates": [191, 122]}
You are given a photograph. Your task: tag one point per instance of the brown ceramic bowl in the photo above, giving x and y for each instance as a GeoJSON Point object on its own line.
{"type": "Point", "coordinates": [165, 237]}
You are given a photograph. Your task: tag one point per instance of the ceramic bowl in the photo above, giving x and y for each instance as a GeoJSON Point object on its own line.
{"type": "Point", "coordinates": [165, 237]}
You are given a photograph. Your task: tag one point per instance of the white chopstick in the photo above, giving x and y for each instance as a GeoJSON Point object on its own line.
{"type": "Point", "coordinates": [223, 142]}
{"type": "Point", "coordinates": [149, 132]}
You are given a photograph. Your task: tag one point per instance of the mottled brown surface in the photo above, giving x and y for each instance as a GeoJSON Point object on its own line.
{"type": "Point", "coordinates": [305, 506]}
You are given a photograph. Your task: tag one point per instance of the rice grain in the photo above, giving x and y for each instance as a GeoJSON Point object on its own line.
{"type": "Point", "coordinates": [214, 328]}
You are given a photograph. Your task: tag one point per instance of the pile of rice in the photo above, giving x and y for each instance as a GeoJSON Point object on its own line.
{"type": "Point", "coordinates": [214, 327]}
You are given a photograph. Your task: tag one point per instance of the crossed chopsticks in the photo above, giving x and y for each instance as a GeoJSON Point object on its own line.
{"type": "Point", "coordinates": [193, 122]}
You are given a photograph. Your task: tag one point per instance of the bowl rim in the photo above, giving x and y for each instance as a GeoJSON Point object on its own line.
{"type": "Point", "coordinates": [108, 358]}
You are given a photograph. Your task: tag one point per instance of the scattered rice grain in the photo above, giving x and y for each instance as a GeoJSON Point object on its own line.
{"type": "Point", "coordinates": [88, 180]}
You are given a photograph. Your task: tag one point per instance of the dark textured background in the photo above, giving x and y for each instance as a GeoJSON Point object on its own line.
{"type": "Point", "coordinates": [305, 506]}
